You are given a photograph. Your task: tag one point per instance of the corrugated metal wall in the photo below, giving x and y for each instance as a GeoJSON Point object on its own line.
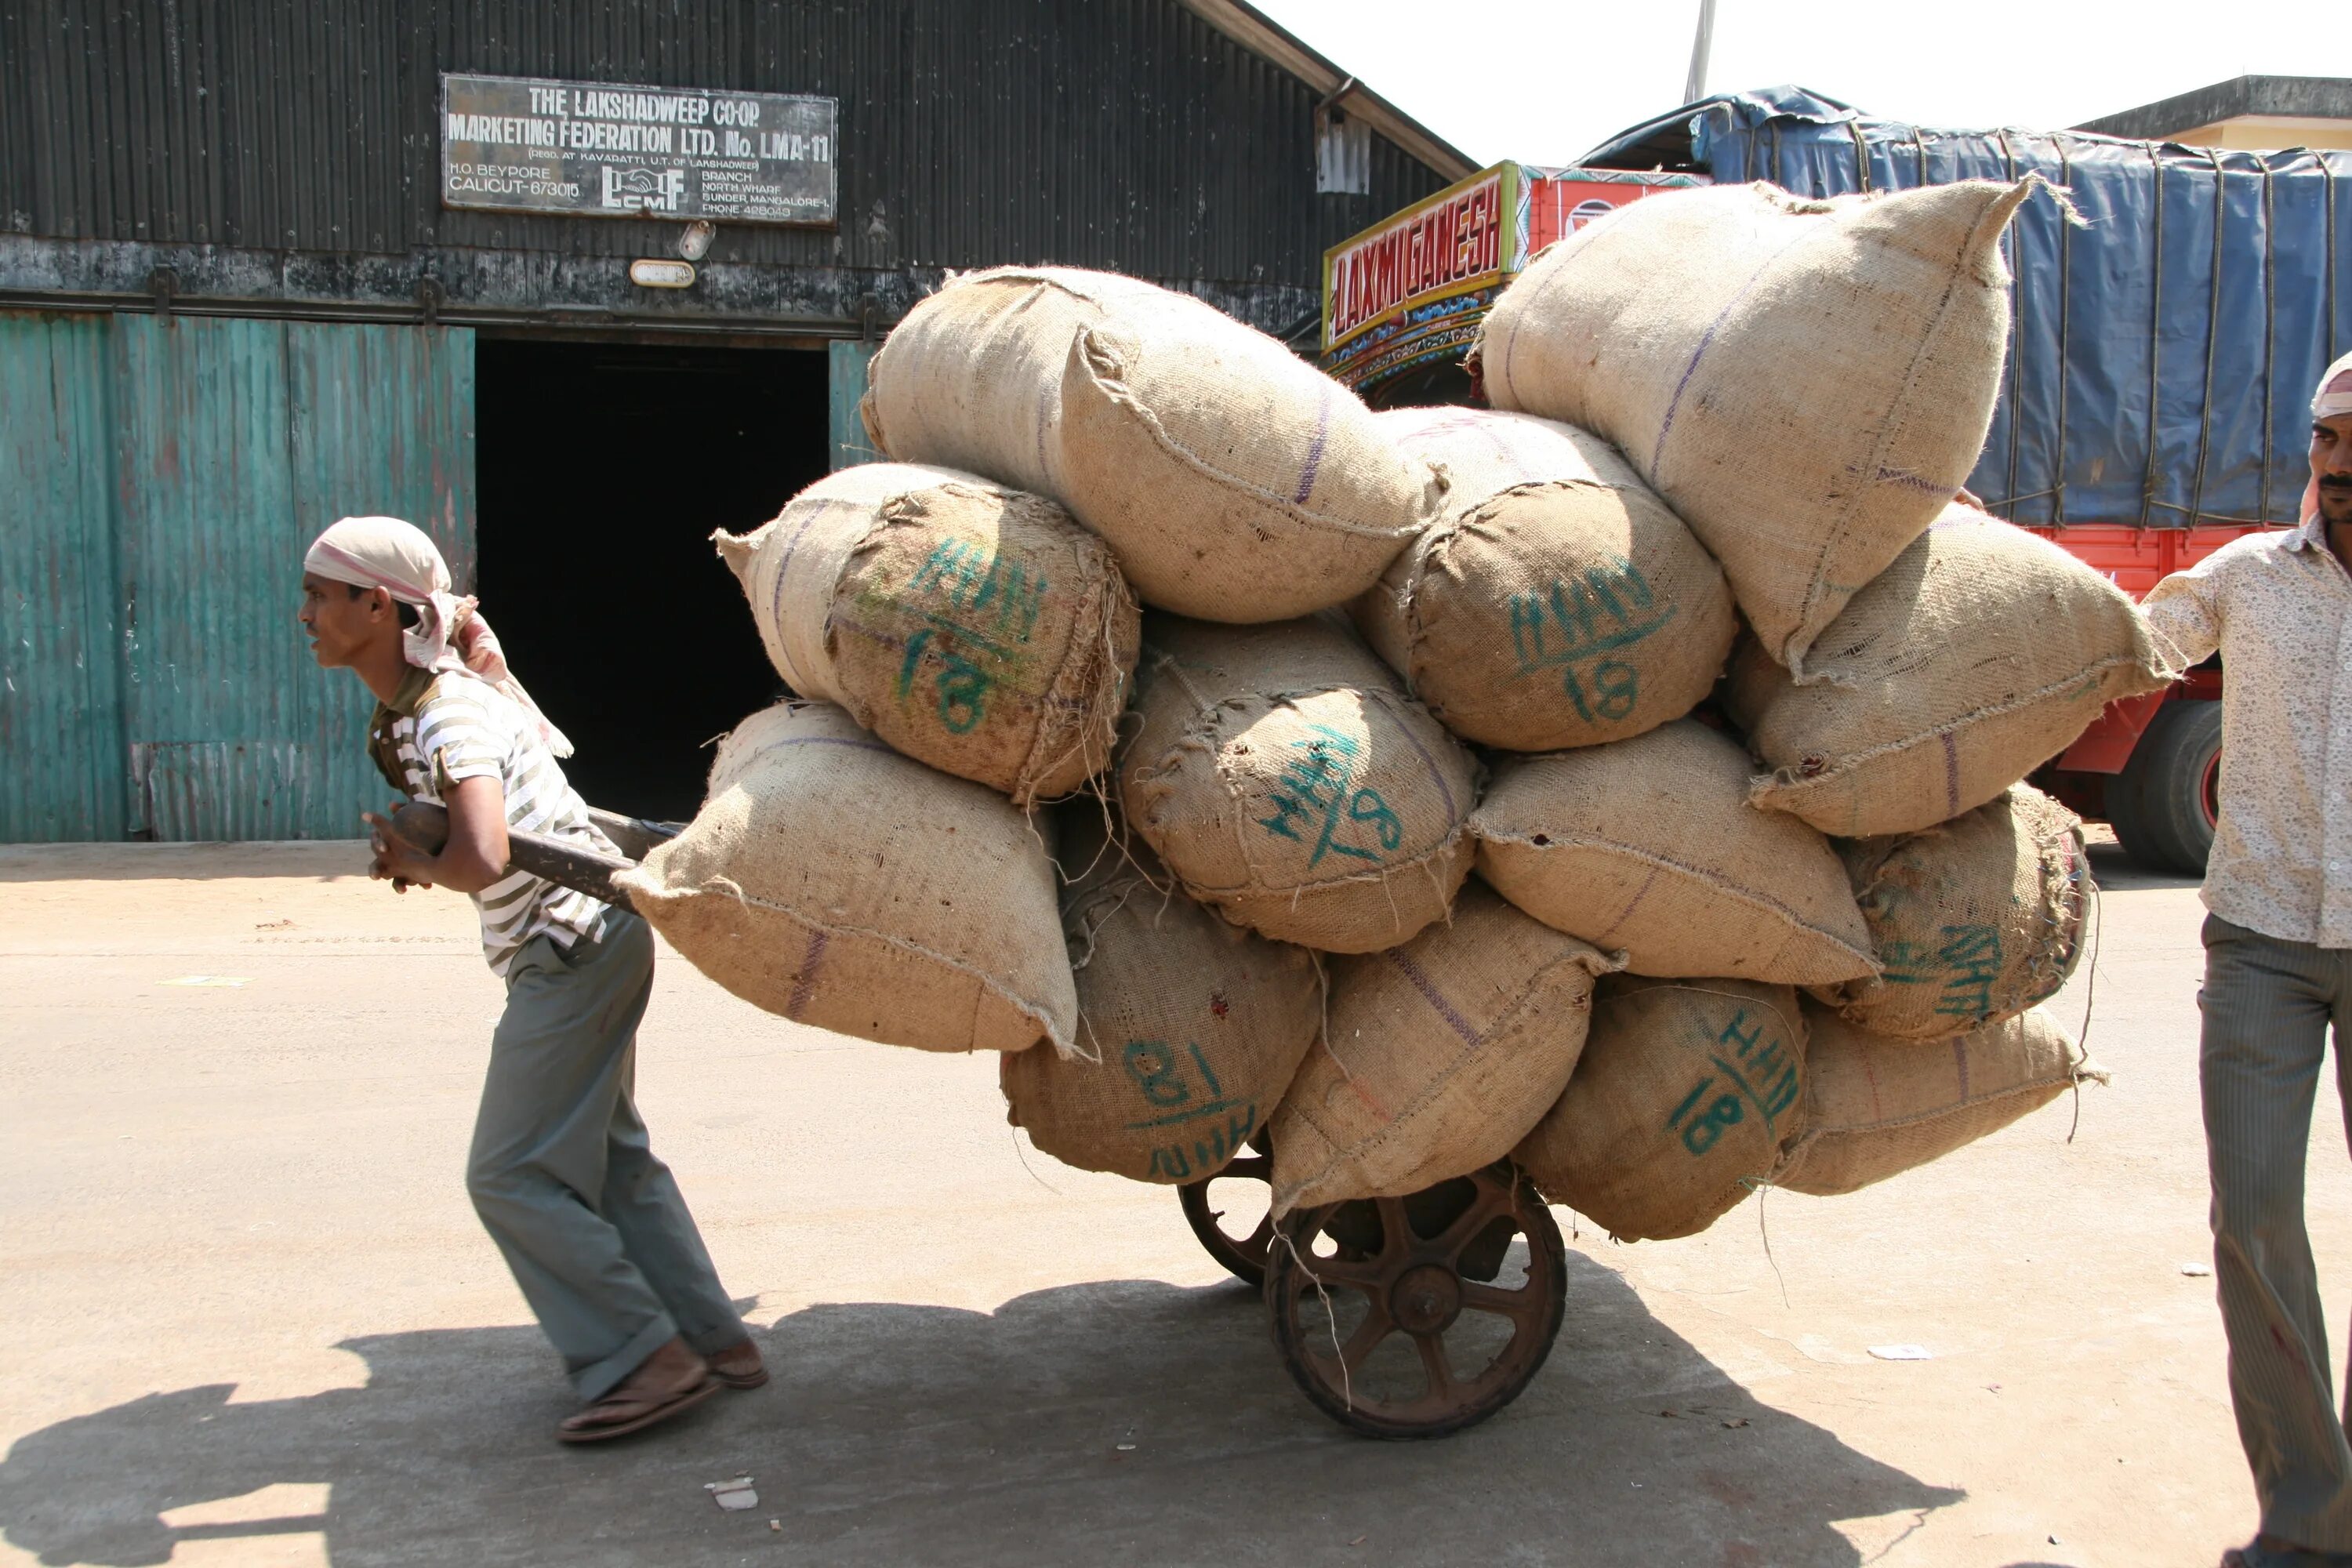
{"type": "Point", "coordinates": [159, 480]}
{"type": "Point", "coordinates": [1125, 133]}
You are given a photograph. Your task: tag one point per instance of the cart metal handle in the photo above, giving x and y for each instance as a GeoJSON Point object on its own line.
{"type": "Point", "coordinates": [558, 861]}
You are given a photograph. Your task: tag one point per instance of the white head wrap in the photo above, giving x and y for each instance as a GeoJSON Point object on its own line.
{"type": "Point", "coordinates": [450, 634]}
{"type": "Point", "coordinates": [2332, 401]}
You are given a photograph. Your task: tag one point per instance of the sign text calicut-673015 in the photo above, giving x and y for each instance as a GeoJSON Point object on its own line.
{"type": "Point", "coordinates": [606, 149]}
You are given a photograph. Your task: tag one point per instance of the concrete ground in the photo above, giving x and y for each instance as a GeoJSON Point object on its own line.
{"type": "Point", "coordinates": [252, 1320]}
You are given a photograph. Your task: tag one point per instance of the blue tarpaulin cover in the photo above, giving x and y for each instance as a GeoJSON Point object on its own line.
{"type": "Point", "coordinates": [2162, 358]}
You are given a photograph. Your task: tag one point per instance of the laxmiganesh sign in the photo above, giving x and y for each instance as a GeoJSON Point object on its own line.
{"type": "Point", "coordinates": [1413, 288]}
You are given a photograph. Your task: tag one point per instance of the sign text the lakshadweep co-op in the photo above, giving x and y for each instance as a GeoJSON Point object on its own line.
{"type": "Point", "coordinates": [517, 144]}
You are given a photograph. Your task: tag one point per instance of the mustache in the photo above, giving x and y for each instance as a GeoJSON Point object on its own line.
{"type": "Point", "coordinates": [2336, 482]}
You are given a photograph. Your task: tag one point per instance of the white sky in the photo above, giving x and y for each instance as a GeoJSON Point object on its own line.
{"type": "Point", "coordinates": [1543, 80]}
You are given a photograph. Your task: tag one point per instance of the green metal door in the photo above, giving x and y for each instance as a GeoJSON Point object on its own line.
{"type": "Point", "coordinates": [229, 445]}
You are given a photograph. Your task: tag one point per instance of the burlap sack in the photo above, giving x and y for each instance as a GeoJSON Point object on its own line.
{"type": "Point", "coordinates": [1439, 1056]}
{"type": "Point", "coordinates": [1806, 383]}
{"type": "Point", "coordinates": [1688, 1092]}
{"type": "Point", "coordinates": [1876, 1108]}
{"type": "Point", "coordinates": [834, 881]}
{"type": "Point", "coordinates": [1649, 845]}
{"type": "Point", "coordinates": [1975, 920]}
{"type": "Point", "coordinates": [1189, 1027]}
{"type": "Point", "coordinates": [1556, 602]}
{"type": "Point", "coordinates": [1236, 481]}
{"type": "Point", "coordinates": [974, 627]}
{"type": "Point", "coordinates": [1285, 776]}
{"type": "Point", "coordinates": [1979, 654]}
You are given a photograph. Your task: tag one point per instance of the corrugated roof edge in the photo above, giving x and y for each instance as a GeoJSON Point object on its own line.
{"type": "Point", "coordinates": [2314, 97]}
{"type": "Point", "coordinates": [1260, 34]}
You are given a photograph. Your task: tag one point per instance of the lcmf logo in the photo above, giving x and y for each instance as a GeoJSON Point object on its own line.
{"type": "Point", "coordinates": [644, 190]}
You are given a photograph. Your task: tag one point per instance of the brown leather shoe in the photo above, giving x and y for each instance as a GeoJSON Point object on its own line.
{"type": "Point", "coordinates": [670, 1380]}
{"type": "Point", "coordinates": [738, 1365]}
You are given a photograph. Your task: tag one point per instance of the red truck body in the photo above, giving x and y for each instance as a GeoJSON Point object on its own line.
{"type": "Point", "coordinates": [2136, 560]}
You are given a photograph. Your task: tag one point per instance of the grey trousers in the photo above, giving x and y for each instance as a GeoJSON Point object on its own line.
{"type": "Point", "coordinates": [2268, 1005]}
{"type": "Point", "coordinates": [592, 1225]}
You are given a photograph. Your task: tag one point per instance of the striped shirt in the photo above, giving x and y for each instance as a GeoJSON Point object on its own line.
{"type": "Point", "coordinates": [440, 730]}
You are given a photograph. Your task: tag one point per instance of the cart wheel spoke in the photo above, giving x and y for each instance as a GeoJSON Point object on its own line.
{"type": "Point", "coordinates": [1523, 1305]}
{"type": "Point", "coordinates": [1367, 1339]}
{"type": "Point", "coordinates": [1491, 1201]}
{"type": "Point", "coordinates": [1442, 1387]}
{"type": "Point", "coordinates": [1396, 1229]}
{"type": "Point", "coordinates": [1356, 1274]}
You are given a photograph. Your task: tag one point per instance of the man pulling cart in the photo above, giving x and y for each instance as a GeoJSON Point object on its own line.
{"type": "Point", "coordinates": [591, 1223]}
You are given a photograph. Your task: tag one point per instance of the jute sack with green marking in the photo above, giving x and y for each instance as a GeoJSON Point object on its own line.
{"type": "Point", "coordinates": [1439, 1056]}
{"type": "Point", "coordinates": [1234, 481]}
{"type": "Point", "coordinates": [1189, 1027]}
{"type": "Point", "coordinates": [833, 881]}
{"type": "Point", "coordinates": [1974, 921]}
{"type": "Point", "coordinates": [1806, 383]}
{"type": "Point", "coordinates": [1876, 1107]}
{"type": "Point", "coordinates": [1688, 1092]}
{"type": "Point", "coordinates": [1556, 601]}
{"type": "Point", "coordinates": [1979, 654]}
{"type": "Point", "coordinates": [1285, 776]}
{"type": "Point", "coordinates": [1649, 845]}
{"type": "Point", "coordinates": [974, 627]}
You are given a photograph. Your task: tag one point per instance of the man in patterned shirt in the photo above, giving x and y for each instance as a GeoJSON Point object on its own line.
{"type": "Point", "coordinates": [592, 1225]}
{"type": "Point", "coordinates": [2278, 968]}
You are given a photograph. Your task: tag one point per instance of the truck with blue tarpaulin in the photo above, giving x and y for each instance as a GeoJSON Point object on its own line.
{"type": "Point", "coordinates": [2168, 320]}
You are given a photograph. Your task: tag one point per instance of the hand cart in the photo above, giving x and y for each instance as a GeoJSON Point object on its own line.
{"type": "Point", "coordinates": [1399, 1317]}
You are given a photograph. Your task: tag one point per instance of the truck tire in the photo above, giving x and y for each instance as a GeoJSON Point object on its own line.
{"type": "Point", "coordinates": [2164, 803]}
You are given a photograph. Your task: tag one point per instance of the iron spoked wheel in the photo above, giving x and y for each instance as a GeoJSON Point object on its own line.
{"type": "Point", "coordinates": [1416, 1317]}
{"type": "Point", "coordinates": [1242, 1255]}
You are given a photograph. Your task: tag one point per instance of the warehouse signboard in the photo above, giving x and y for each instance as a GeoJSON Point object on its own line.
{"type": "Point", "coordinates": [609, 150]}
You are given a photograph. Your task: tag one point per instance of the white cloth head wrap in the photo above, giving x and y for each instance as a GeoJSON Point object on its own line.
{"type": "Point", "coordinates": [2332, 401]}
{"type": "Point", "coordinates": [450, 634]}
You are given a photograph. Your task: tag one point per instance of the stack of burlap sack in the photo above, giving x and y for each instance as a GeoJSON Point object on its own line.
{"type": "Point", "coordinates": [1749, 906]}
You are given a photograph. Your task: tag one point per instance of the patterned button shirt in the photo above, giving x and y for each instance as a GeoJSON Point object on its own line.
{"type": "Point", "coordinates": [2278, 606]}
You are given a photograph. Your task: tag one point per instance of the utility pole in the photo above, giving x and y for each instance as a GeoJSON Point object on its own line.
{"type": "Point", "coordinates": [1695, 87]}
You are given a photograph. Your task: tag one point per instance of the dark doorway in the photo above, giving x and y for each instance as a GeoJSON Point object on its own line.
{"type": "Point", "coordinates": [602, 470]}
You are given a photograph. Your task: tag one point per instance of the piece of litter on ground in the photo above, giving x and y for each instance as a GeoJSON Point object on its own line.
{"type": "Point", "coordinates": [225, 982]}
{"type": "Point", "coordinates": [1124, 1447]}
{"type": "Point", "coordinates": [2055, 1541]}
{"type": "Point", "coordinates": [775, 1524]}
{"type": "Point", "coordinates": [1901, 1353]}
{"type": "Point", "coordinates": [1360, 1540]}
{"type": "Point", "coordinates": [733, 1495]}
{"type": "Point", "coordinates": [1742, 1421]}
{"type": "Point", "coordinates": [2197, 1270]}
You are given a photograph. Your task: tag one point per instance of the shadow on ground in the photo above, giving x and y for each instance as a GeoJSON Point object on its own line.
{"type": "Point", "coordinates": [2119, 872]}
{"type": "Point", "coordinates": [898, 1434]}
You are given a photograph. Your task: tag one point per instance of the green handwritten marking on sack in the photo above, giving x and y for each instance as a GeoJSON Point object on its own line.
{"type": "Point", "coordinates": [1158, 1073]}
{"type": "Point", "coordinates": [1579, 620]}
{"type": "Point", "coordinates": [1762, 1073]}
{"type": "Point", "coordinates": [1965, 969]}
{"type": "Point", "coordinates": [1970, 957]}
{"type": "Point", "coordinates": [997, 598]}
{"type": "Point", "coordinates": [981, 608]}
{"type": "Point", "coordinates": [1206, 1153]}
{"type": "Point", "coordinates": [1319, 789]}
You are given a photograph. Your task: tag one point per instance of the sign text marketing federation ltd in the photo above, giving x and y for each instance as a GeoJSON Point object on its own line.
{"type": "Point", "coordinates": [608, 150]}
